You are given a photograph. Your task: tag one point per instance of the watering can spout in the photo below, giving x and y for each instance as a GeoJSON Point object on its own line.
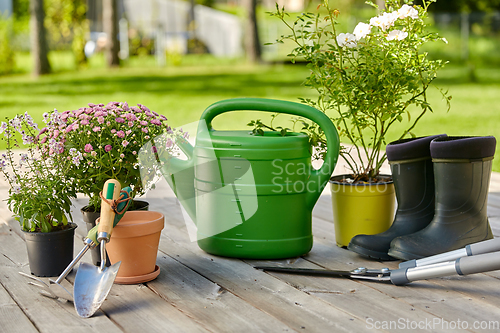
{"type": "Point", "coordinates": [179, 175]}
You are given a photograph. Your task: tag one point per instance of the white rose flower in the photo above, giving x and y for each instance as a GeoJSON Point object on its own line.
{"type": "Point", "coordinates": [384, 21]}
{"type": "Point", "coordinates": [407, 11]}
{"type": "Point", "coordinates": [362, 30]}
{"type": "Point", "coordinates": [397, 35]}
{"type": "Point", "coordinates": [348, 40]}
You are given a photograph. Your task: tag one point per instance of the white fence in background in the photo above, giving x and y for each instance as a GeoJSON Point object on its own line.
{"type": "Point", "coordinates": [167, 20]}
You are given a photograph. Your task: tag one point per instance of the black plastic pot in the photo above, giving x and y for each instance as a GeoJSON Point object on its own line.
{"type": "Point", "coordinates": [49, 253]}
{"type": "Point", "coordinates": [90, 216]}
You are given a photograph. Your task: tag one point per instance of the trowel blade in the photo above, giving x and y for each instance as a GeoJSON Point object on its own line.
{"type": "Point", "coordinates": [92, 285]}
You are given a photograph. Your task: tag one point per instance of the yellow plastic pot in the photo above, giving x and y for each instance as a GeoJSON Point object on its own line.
{"type": "Point", "coordinates": [361, 208]}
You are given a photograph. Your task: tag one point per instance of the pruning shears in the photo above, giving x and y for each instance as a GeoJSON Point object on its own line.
{"type": "Point", "coordinates": [474, 258]}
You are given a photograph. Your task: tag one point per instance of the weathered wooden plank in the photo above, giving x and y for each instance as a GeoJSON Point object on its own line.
{"type": "Point", "coordinates": [323, 208]}
{"type": "Point", "coordinates": [425, 293]}
{"type": "Point", "coordinates": [47, 315]}
{"type": "Point", "coordinates": [12, 318]}
{"type": "Point", "coordinates": [136, 307]}
{"type": "Point", "coordinates": [207, 302]}
{"type": "Point", "coordinates": [493, 200]}
{"type": "Point", "coordinates": [431, 296]}
{"type": "Point", "coordinates": [359, 299]}
{"type": "Point", "coordinates": [287, 304]}
{"type": "Point", "coordinates": [190, 293]}
{"type": "Point", "coordinates": [495, 182]}
{"type": "Point", "coordinates": [443, 310]}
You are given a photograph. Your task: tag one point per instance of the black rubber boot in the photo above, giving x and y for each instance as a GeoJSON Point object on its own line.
{"type": "Point", "coordinates": [412, 173]}
{"type": "Point", "coordinates": [462, 170]}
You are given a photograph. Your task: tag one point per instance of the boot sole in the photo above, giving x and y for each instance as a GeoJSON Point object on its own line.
{"type": "Point", "coordinates": [369, 253]}
{"type": "Point", "coordinates": [401, 255]}
{"type": "Point", "coordinates": [398, 254]}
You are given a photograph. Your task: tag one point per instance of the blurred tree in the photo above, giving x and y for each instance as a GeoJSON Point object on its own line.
{"type": "Point", "coordinates": [21, 10]}
{"type": "Point", "coordinates": [66, 19]}
{"type": "Point", "coordinates": [252, 42]}
{"type": "Point", "coordinates": [39, 49]}
{"type": "Point", "coordinates": [110, 25]}
{"type": "Point", "coordinates": [6, 53]}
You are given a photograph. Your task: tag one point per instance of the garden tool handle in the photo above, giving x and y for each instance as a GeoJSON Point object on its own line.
{"type": "Point", "coordinates": [491, 245]}
{"type": "Point", "coordinates": [122, 207]}
{"type": "Point", "coordinates": [318, 177]}
{"type": "Point", "coordinates": [111, 191]}
{"type": "Point", "coordinates": [462, 266]}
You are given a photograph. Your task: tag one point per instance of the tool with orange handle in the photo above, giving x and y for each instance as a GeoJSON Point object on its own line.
{"type": "Point", "coordinates": [92, 284]}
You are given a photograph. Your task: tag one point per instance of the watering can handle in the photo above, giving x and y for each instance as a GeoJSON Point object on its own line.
{"type": "Point", "coordinates": [319, 177]}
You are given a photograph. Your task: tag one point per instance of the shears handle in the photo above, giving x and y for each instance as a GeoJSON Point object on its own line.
{"type": "Point", "coordinates": [462, 266]}
{"type": "Point", "coordinates": [488, 246]}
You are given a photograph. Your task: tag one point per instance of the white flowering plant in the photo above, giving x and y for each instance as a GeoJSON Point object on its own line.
{"type": "Point", "coordinates": [366, 80]}
{"type": "Point", "coordinates": [103, 141]}
{"type": "Point", "coordinates": [40, 193]}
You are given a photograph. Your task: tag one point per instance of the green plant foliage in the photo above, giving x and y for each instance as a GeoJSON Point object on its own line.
{"type": "Point", "coordinates": [259, 126]}
{"type": "Point", "coordinates": [368, 79]}
{"type": "Point", "coordinates": [40, 192]}
{"type": "Point", "coordinates": [104, 142]}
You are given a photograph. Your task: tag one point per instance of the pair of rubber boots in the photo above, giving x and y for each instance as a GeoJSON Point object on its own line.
{"type": "Point", "coordinates": [441, 184]}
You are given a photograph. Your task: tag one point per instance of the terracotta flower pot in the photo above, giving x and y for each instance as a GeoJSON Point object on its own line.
{"type": "Point", "coordinates": [134, 242]}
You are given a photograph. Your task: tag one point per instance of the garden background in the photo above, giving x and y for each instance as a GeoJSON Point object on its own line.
{"type": "Point", "coordinates": [181, 85]}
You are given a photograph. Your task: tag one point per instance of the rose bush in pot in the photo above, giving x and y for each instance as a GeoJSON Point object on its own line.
{"type": "Point", "coordinates": [367, 81]}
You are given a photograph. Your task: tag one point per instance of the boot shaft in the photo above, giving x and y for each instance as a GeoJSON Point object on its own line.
{"type": "Point", "coordinates": [413, 175]}
{"type": "Point", "coordinates": [462, 168]}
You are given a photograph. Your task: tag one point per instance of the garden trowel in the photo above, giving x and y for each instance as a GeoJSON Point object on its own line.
{"type": "Point", "coordinates": [92, 284]}
{"type": "Point", "coordinates": [55, 288]}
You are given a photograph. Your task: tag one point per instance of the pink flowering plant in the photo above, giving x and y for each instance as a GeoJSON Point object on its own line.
{"type": "Point", "coordinates": [102, 142]}
{"type": "Point", "coordinates": [40, 192]}
{"type": "Point", "coordinates": [366, 80]}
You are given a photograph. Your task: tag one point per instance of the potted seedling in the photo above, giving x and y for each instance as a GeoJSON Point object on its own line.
{"type": "Point", "coordinates": [104, 141]}
{"type": "Point", "coordinates": [40, 194]}
{"type": "Point", "coordinates": [367, 81]}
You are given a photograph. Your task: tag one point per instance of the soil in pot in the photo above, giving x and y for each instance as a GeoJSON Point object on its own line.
{"type": "Point", "coordinates": [49, 253]}
{"type": "Point", "coordinates": [134, 242]}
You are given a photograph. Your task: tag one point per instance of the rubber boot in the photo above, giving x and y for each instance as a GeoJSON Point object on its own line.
{"type": "Point", "coordinates": [462, 170]}
{"type": "Point", "coordinates": [413, 176]}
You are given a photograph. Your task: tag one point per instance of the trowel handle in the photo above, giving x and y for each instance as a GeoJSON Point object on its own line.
{"type": "Point", "coordinates": [122, 207]}
{"type": "Point", "coordinates": [111, 191]}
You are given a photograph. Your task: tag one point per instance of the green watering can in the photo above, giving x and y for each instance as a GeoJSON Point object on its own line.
{"type": "Point", "coordinates": [251, 196]}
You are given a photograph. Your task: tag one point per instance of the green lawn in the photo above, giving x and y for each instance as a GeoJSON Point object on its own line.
{"type": "Point", "coordinates": [183, 92]}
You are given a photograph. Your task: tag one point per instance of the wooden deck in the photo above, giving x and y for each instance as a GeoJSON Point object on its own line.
{"type": "Point", "coordinates": [198, 292]}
